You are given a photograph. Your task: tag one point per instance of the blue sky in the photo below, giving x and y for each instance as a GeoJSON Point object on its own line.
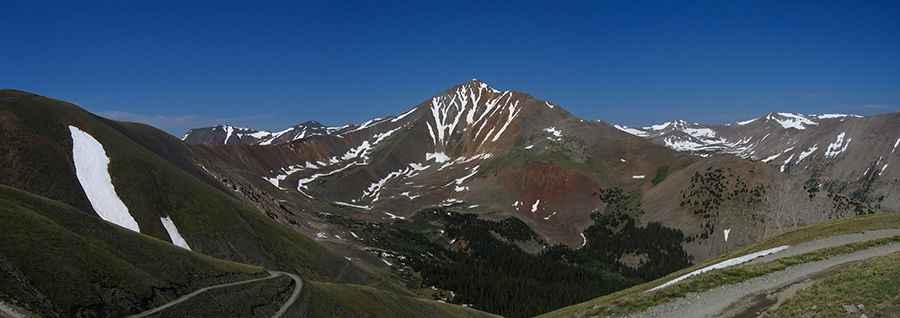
{"type": "Point", "coordinates": [270, 65]}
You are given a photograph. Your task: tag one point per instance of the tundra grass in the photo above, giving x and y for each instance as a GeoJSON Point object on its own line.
{"type": "Point", "coordinates": [734, 275]}
{"type": "Point", "coordinates": [56, 260]}
{"type": "Point", "coordinates": [873, 283]}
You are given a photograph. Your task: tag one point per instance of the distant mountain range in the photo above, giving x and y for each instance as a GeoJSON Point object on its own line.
{"type": "Point", "coordinates": [842, 144]}
{"type": "Point", "coordinates": [230, 135]}
{"type": "Point", "coordinates": [493, 199]}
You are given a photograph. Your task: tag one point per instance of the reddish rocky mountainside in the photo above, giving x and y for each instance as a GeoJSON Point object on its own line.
{"type": "Point", "coordinates": [498, 153]}
{"type": "Point", "coordinates": [503, 154]}
{"type": "Point", "coordinates": [470, 183]}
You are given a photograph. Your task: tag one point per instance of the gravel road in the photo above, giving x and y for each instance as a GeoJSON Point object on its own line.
{"type": "Point", "coordinates": [828, 242]}
{"type": "Point", "coordinates": [714, 302]}
{"type": "Point", "coordinates": [298, 286]}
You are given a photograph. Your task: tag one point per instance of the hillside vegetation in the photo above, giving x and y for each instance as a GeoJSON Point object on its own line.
{"type": "Point", "coordinates": [804, 234]}
{"type": "Point", "coordinates": [56, 261]}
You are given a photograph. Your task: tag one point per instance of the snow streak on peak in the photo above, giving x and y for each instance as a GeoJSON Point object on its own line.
{"type": "Point", "coordinates": [472, 107]}
{"type": "Point", "coordinates": [838, 146]}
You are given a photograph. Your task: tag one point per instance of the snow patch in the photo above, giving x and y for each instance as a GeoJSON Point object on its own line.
{"type": "Point", "coordinates": [512, 113]}
{"type": "Point", "coordinates": [364, 207]}
{"type": "Point", "coordinates": [838, 146]}
{"type": "Point", "coordinates": [829, 116]}
{"type": "Point", "coordinates": [659, 126]}
{"type": "Point", "coordinates": [259, 134]}
{"type": "Point", "coordinates": [555, 133]}
{"type": "Point", "coordinates": [438, 157]}
{"type": "Point", "coordinates": [367, 124]}
{"type": "Point", "coordinates": [747, 122]}
{"type": "Point", "coordinates": [633, 131]}
{"type": "Point", "coordinates": [791, 120]}
{"type": "Point", "coordinates": [410, 196]}
{"type": "Point", "coordinates": [700, 132]}
{"type": "Point", "coordinates": [174, 235]}
{"type": "Point", "coordinates": [450, 201]}
{"type": "Point", "coordinates": [275, 136]}
{"type": "Point", "coordinates": [807, 152]}
{"type": "Point", "coordinates": [534, 207]}
{"type": "Point", "coordinates": [786, 162]}
{"type": "Point", "coordinates": [394, 216]}
{"type": "Point", "coordinates": [682, 145]}
{"type": "Point", "coordinates": [547, 218]}
{"type": "Point", "coordinates": [464, 178]}
{"type": "Point", "coordinates": [720, 265]}
{"type": "Point", "coordinates": [229, 131]}
{"type": "Point", "coordinates": [772, 157]}
{"type": "Point", "coordinates": [92, 170]}
{"type": "Point", "coordinates": [399, 118]}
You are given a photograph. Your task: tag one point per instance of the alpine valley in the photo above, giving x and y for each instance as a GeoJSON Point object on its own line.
{"type": "Point", "coordinates": [474, 202]}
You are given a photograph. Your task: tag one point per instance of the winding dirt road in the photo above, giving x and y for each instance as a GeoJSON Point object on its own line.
{"type": "Point", "coordinates": [731, 300]}
{"type": "Point", "coordinates": [298, 286]}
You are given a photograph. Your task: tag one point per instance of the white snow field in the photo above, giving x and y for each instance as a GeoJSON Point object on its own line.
{"type": "Point", "coordinates": [176, 237]}
{"type": "Point", "coordinates": [723, 264]}
{"type": "Point", "coordinates": [91, 167]}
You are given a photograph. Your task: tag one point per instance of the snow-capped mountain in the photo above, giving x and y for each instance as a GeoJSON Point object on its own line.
{"type": "Point", "coordinates": [225, 135]}
{"type": "Point", "coordinates": [230, 135]}
{"type": "Point", "coordinates": [787, 139]}
{"type": "Point", "coordinates": [681, 135]}
{"type": "Point", "coordinates": [470, 154]}
{"type": "Point", "coordinates": [471, 144]}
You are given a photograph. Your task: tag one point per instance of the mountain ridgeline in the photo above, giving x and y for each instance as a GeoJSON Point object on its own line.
{"type": "Point", "coordinates": [493, 200]}
{"type": "Point", "coordinates": [502, 155]}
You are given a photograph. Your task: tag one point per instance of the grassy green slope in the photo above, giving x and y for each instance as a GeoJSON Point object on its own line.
{"type": "Point", "coordinates": [114, 272]}
{"type": "Point", "coordinates": [803, 234]}
{"type": "Point", "coordinates": [57, 261]}
{"type": "Point", "coordinates": [874, 284]}
{"type": "Point", "coordinates": [260, 299]}
{"type": "Point", "coordinates": [153, 177]}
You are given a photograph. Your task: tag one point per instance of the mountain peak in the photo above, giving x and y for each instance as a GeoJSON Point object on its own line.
{"type": "Point", "coordinates": [475, 84]}
{"type": "Point", "coordinates": [310, 123]}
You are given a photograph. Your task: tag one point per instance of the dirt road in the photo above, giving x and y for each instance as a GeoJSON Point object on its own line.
{"type": "Point", "coordinates": [727, 301]}
{"type": "Point", "coordinates": [298, 286]}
